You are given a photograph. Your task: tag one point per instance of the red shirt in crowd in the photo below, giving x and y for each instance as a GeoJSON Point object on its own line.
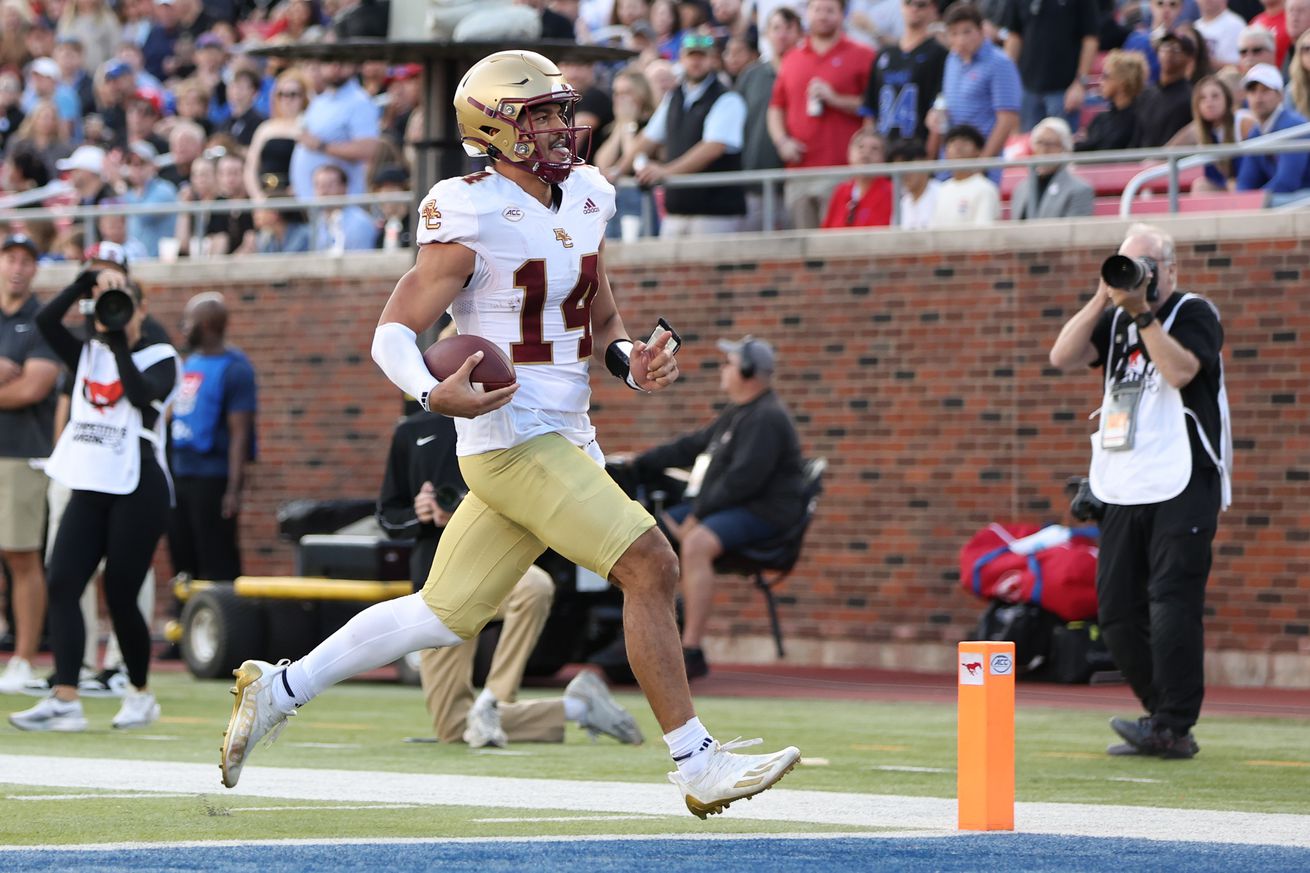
{"type": "Point", "coordinates": [1276, 23]}
{"type": "Point", "coordinates": [846, 68]}
{"type": "Point", "coordinates": [872, 209]}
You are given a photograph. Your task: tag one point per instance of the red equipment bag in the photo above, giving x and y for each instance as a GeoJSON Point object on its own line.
{"type": "Point", "coordinates": [1060, 578]}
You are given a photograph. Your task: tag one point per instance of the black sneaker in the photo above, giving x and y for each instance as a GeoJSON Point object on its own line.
{"type": "Point", "coordinates": [107, 683]}
{"type": "Point", "coordinates": [1145, 737]}
{"type": "Point", "coordinates": [694, 659]}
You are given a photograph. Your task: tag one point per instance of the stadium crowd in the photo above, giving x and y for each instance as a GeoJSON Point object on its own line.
{"type": "Point", "coordinates": [158, 101]}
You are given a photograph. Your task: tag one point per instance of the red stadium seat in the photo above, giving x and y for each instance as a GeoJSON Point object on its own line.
{"type": "Point", "coordinates": [1218, 202]}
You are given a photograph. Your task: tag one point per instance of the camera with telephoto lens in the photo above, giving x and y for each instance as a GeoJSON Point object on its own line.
{"type": "Point", "coordinates": [1083, 504]}
{"type": "Point", "coordinates": [114, 308]}
{"type": "Point", "coordinates": [1126, 274]}
{"type": "Point", "coordinates": [449, 497]}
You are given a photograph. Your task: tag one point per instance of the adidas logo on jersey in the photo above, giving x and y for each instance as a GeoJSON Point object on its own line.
{"type": "Point", "coordinates": [590, 208]}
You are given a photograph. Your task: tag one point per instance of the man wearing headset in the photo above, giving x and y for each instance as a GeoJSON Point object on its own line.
{"type": "Point", "coordinates": [745, 484]}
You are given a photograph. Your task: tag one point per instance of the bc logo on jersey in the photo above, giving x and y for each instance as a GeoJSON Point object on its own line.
{"type": "Point", "coordinates": [431, 215]}
{"type": "Point", "coordinates": [563, 236]}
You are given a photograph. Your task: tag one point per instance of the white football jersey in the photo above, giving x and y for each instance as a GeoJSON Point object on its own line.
{"type": "Point", "coordinates": [536, 276]}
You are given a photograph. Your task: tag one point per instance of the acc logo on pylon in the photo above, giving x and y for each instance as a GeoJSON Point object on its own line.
{"type": "Point", "coordinates": [1001, 665]}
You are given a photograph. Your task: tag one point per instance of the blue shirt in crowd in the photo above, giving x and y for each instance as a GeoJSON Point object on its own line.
{"type": "Point", "coordinates": [977, 90]}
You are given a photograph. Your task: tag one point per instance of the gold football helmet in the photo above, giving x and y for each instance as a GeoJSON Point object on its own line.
{"type": "Point", "coordinates": [493, 106]}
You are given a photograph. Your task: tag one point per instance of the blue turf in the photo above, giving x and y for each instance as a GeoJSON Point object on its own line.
{"type": "Point", "coordinates": [982, 853]}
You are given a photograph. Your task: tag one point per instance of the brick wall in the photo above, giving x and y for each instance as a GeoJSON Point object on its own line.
{"type": "Point", "coordinates": [916, 365]}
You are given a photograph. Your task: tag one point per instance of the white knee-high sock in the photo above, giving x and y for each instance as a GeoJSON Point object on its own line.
{"type": "Point", "coordinates": [376, 637]}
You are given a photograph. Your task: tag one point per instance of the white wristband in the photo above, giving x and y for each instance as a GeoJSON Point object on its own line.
{"type": "Point", "coordinates": [395, 350]}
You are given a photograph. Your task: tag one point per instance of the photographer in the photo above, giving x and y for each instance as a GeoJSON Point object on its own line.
{"type": "Point", "coordinates": [420, 491]}
{"type": "Point", "coordinates": [1161, 464]}
{"type": "Point", "coordinates": [111, 455]}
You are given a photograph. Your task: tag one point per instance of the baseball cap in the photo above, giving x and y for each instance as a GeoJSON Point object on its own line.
{"type": "Point", "coordinates": [1264, 74]}
{"type": "Point", "coordinates": [45, 67]}
{"type": "Point", "coordinates": [89, 158]}
{"type": "Point", "coordinates": [696, 42]}
{"type": "Point", "coordinates": [151, 96]}
{"type": "Point", "coordinates": [109, 252]}
{"type": "Point", "coordinates": [143, 150]}
{"type": "Point", "coordinates": [210, 40]}
{"type": "Point", "coordinates": [20, 241]}
{"type": "Point", "coordinates": [114, 69]}
{"type": "Point", "coordinates": [1184, 42]}
{"type": "Point", "coordinates": [391, 175]}
{"type": "Point", "coordinates": [406, 71]}
{"type": "Point", "coordinates": [760, 354]}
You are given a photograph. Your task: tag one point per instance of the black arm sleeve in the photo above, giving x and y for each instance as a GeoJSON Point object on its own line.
{"type": "Point", "coordinates": [50, 320]}
{"type": "Point", "coordinates": [141, 388]}
{"type": "Point", "coordinates": [757, 443]}
{"type": "Point", "coordinates": [395, 509]}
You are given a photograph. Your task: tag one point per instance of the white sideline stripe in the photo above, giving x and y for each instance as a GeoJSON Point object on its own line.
{"type": "Point", "coordinates": [136, 795]}
{"type": "Point", "coordinates": [321, 807]}
{"type": "Point", "coordinates": [894, 768]}
{"type": "Point", "coordinates": [568, 818]}
{"type": "Point", "coordinates": [778, 805]}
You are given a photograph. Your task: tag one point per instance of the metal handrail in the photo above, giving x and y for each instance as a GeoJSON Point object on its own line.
{"type": "Point", "coordinates": [312, 206]}
{"type": "Point", "coordinates": [1205, 155]}
{"type": "Point", "coordinates": [768, 179]}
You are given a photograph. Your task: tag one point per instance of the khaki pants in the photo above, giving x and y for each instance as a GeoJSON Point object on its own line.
{"type": "Point", "coordinates": [447, 674]}
{"type": "Point", "coordinates": [806, 201]}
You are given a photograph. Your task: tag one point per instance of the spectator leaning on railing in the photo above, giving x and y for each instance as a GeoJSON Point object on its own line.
{"type": "Point", "coordinates": [981, 85]}
{"type": "Point", "coordinates": [340, 127]}
{"type": "Point", "coordinates": [699, 124]}
{"type": "Point", "coordinates": [815, 106]}
{"type": "Point", "coordinates": [1278, 174]}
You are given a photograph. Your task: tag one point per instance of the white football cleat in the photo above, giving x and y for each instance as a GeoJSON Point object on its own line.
{"type": "Point", "coordinates": [729, 777]}
{"type": "Point", "coordinates": [51, 714]}
{"type": "Point", "coordinates": [138, 710]}
{"type": "Point", "coordinates": [482, 725]}
{"type": "Point", "coordinates": [604, 715]}
{"type": "Point", "coordinates": [254, 716]}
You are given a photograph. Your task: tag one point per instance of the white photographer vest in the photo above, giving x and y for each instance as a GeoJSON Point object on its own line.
{"type": "Point", "coordinates": [1159, 465]}
{"type": "Point", "coordinates": [100, 449]}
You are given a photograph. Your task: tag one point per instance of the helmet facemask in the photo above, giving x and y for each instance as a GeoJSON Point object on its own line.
{"type": "Point", "coordinates": [517, 113]}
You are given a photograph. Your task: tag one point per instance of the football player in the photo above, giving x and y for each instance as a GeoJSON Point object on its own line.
{"type": "Point", "coordinates": [516, 253]}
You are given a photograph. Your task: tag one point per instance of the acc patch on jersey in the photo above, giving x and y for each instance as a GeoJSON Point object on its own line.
{"type": "Point", "coordinates": [430, 214]}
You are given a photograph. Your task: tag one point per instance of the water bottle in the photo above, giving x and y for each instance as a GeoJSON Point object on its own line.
{"type": "Point", "coordinates": [942, 121]}
{"type": "Point", "coordinates": [391, 234]}
{"type": "Point", "coordinates": [813, 106]}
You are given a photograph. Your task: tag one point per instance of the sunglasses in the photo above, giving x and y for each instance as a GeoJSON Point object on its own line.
{"type": "Point", "coordinates": [918, 4]}
{"type": "Point", "coordinates": [1167, 5]}
{"type": "Point", "coordinates": [290, 93]}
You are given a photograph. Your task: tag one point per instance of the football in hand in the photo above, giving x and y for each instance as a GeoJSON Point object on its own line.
{"type": "Point", "coordinates": [446, 356]}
